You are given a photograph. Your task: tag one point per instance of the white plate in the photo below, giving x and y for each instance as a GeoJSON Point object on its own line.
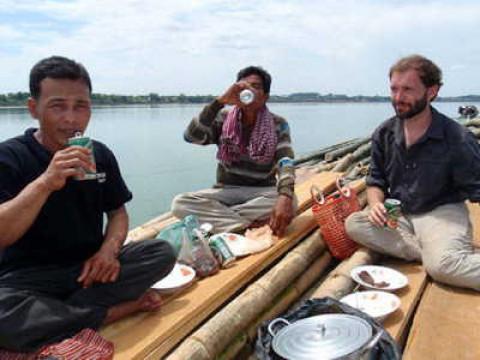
{"type": "Point", "coordinates": [395, 280]}
{"type": "Point", "coordinates": [180, 276]}
{"type": "Point", "coordinates": [377, 304]}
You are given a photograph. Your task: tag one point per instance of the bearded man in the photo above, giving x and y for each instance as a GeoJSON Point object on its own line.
{"type": "Point", "coordinates": [432, 165]}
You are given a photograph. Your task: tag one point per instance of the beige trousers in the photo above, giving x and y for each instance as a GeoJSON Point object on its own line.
{"type": "Point", "coordinates": [231, 208]}
{"type": "Point", "coordinates": [441, 239]}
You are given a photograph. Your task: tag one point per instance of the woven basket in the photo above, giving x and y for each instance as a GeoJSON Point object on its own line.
{"type": "Point", "coordinates": [330, 213]}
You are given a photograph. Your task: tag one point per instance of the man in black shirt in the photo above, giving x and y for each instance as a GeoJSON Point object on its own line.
{"type": "Point", "coordinates": [60, 270]}
{"type": "Point", "coordinates": [432, 165]}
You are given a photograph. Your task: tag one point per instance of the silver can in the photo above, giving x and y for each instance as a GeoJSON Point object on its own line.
{"type": "Point", "coordinates": [247, 96]}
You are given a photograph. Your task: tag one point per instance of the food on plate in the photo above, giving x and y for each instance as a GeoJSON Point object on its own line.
{"type": "Point", "coordinates": [185, 271]}
{"type": "Point", "coordinates": [367, 278]}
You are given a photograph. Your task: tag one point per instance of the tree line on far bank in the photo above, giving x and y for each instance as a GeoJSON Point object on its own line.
{"type": "Point", "coordinates": [20, 98]}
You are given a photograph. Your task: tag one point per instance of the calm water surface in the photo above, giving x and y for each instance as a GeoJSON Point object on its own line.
{"type": "Point", "coordinates": [157, 164]}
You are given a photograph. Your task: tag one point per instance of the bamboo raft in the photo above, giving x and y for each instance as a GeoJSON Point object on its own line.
{"type": "Point", "coordinates": [217, 317]}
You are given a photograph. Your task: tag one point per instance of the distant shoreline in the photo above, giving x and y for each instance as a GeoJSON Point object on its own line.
{"type": "Point", "coordinates": [18, 100]}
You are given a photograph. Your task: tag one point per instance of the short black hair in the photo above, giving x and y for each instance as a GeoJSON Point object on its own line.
{"type": "Point", "coordinates": [257, 70]}
{"type": "Point", "coordinates": [57, 67]}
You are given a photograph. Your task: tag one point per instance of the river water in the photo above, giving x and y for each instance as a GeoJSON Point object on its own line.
{"type": "Point", "coordinates": [157, 164]}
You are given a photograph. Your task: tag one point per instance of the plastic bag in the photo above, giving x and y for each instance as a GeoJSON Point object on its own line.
{"type": "Point", "coordinates": [178, 236]}
{"type": "Point", "coordinates": [173, 234]}
{"type": "Point", "coordinates": [386, 348]}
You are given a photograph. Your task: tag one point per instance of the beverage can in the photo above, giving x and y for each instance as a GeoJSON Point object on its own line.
{"type": "Point", "coordinates": [218, 244]}
{"type": "Point", "coordinates": [246, 96]}
{"type": "Point", "coordinates": [394, 211]}
{"type": "Point", "coordinates": [86, 142]}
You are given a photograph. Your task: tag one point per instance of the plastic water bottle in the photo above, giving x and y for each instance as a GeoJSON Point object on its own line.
{"type": "Point", "coordinates": [204, 261]}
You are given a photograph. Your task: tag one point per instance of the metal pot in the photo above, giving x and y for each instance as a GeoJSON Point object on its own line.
{"type": "Point", "coordinates": [327, 336]}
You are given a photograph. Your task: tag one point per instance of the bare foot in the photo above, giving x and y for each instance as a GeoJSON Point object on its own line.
{"type": "Point", "coordinates": [150, 300]}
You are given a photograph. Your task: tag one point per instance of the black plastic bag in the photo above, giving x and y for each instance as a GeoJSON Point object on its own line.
{"type": "Point", "coordinates": [385, 349]}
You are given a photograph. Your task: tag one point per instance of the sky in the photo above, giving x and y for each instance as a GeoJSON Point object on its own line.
{"type": "Point", "coordinates": [172, 47]}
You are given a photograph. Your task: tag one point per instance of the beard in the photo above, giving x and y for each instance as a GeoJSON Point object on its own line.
{"type": "Point", "coordinates": [412, 109]}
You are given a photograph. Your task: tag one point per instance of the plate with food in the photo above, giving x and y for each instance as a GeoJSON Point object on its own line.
{"type": "Point", "coordinates": [241, 245]}
{"type": "Point", "coordinates": [379, 277]}
{"type": "Point", "coordinates": [179, 278]}
{"type": "Point", "coordinates": [377, 304]}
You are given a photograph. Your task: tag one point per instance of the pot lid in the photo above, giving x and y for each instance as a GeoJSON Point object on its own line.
{"type": "Point", "coordinates": [327, 336]}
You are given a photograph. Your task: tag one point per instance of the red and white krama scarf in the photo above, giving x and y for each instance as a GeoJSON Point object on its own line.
{"type": "Point", "coordinates": [261, 145]}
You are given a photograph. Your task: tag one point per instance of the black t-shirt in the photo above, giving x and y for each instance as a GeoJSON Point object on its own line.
{"type": "Point", "coordinates": [69, 227]}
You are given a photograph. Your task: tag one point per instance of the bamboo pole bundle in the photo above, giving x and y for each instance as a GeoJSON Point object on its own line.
{"type": "Point", "coordinates": [315, 155]}
{"type": "Point", "coordinates": [338, 283]}
{"type": "Point", "coordinates": [218, 332]}
{"type": "Point", "coordinates": [334, 154]}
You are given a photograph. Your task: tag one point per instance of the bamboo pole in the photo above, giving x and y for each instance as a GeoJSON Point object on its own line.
{"type": "Point", "coordinates": [151, 229]}
{"type": "Point", "coordinates": [338, 283]}
{"type": "Point", "coordinates": [354, 172]}
{"type": "Point", "coordinates": [325, 167]}
{"type": "Point", "coordinates": [216, 334]}
{"type": "Point", "coordinates": [475, 131]}
{"type": "Point", "coordinates": [334, 154]}
{"type": "Point", "coordinates": [472, 122]}
{"type": "Point", "coordinates": [315, 155]}
{"type": "Point", "coordinates": [362, 151]}
{"type": "Point", "coordinates": [343, 163]}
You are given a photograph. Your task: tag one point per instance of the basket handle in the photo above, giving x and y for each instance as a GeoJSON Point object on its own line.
{"type": "Point", "coordinates": [343, 189]}
{"type": "Point", "coordinates": [317, 195]}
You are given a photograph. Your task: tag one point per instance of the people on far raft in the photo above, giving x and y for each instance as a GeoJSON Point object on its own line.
{"type": "Point", "coordinates": [432, 165]}
{"type": "Point", "coordinates": [255, 174]}
{"type": "Point", "coordinates": [60, 271]}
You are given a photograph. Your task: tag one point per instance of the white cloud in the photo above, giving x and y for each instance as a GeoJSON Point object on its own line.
{"type": "Point", "coordinates": [197, 46]}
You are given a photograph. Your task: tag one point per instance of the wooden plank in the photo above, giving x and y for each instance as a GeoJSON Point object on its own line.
{"type": "Point", "coordinates": [397, 323]}
{"type": "Point", "coordinates": [447, 322]}
{"type": "Point", "coordinates": [139, 335]}
{"type": "Point", "coordinates": [446, 325]}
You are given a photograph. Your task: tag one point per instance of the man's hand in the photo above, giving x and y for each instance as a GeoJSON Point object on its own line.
{"type": "Point", "coordinates": [64, 164]}
{"type": "Point", "coordinates": [231, 96]}
{"type": "Point", "coordinates": [378, 214]}
{"type": "Point", "coordinates": [102, 267]}
{"type": "Point", "coordinates": [282, 215]}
